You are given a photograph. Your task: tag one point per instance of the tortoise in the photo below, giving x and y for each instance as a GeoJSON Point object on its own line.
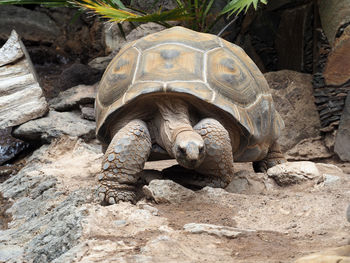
{"type": "Point", "coordinates": [186, 95]}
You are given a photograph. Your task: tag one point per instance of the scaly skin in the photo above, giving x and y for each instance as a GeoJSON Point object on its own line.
{"type": "Point", "coordinates": [124, 159]}
{"type": "Point", "coordinates": [218, 163]}
{"type": "Point", "coordinates": [273, 157]}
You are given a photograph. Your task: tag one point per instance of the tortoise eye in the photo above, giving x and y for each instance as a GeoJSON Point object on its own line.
{"type": "Point", "coordinates": [201, 149]}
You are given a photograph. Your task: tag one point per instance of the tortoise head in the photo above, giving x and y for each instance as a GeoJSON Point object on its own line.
{"type": "Point", "coordinates": [189, 149]}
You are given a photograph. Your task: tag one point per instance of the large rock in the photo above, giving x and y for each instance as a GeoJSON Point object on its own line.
{"type": "Point", "coordinates": [309, 149]}
{"type": "Point", "coordinates": [54, 125]}
{"type": "Point", "coordinates": [249, 182]}
{"type": "Point", "coordinates": [73, 97]}
{"type": "Point", "coordinates": [337, 69]}
{"type": "Point", "coordinates": [293, 172]}
{"type": "Point", "coordinates": [293, 96]}
{"type": "Point", "coordinates": [342, 141]}
{"type": "Point", "coordinates": [114, 39]}
{"type": "Point", "coordinates": [77, 74]}
{"type": "Point", "coordinates": [221, 231]}
{"type": "Point", "coordinates": [49, 193]}
{"type": "Point", "coordinates": [30, 24]}
{"type": "Point", "coordinates": [21, 97]}
{"type": "Point", "coordinates": [167, 191]}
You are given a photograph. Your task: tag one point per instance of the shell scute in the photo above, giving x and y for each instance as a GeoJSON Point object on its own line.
{"type": "Point", "coordinates": [170, 62]}
{"type": "Point", "coordinates": [142, 88]}
{"type": "Point", "coordinates": [249, 64]}
{"type": "Point", "coordinates": [117, 77]}
{"type": "Point", "coordinates": [230, 77]}
{"type": "Point", "coordinates": [197, 89]}
{"type": "Point", "coordinates": [182, 36]}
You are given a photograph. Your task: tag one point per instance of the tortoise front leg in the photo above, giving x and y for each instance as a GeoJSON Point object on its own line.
{"type": "Point", "coordinates": [124, 159]}
{"type": "Point", "coordinates": [273, 157]}
{"type": "Point", "coordinates": [218, 163]}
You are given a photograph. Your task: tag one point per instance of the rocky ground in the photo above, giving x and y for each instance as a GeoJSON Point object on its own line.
{"type": "Point", "coordinates": [54, 215]}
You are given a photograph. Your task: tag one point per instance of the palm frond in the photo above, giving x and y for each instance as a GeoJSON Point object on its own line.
{"type": "Point", "coordinates": [237, 6]}
{"type": "Point", "coordinates": [113, 14]}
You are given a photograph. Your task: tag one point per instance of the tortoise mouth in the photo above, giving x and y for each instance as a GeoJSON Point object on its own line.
{"type": "Point", "coordinates": [189, 163]}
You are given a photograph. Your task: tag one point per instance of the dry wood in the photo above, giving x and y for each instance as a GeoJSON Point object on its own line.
{"type": "Point", "coordinates": [21, 97]}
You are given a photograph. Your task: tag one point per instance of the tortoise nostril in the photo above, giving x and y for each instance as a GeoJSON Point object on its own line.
{"type": "Point", "coordinates": [182, 150]}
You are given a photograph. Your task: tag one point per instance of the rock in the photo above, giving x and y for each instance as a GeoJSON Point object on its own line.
{"type": "Point", "coordinates": [152, 7]}
{"type": "Point", "coordinates": [144, 30]}
{"type": "Point", "coordinates": [21, 97]}
{"type": "Point", "coordinates": [246, 182]}
{"type": "Point", "coordinates": [331, 174]}
{"type": "Point", "coordinates": [330, 179]}
{"type": "Point", "coordinates": [9, 146]}
{"type": "Point", "coordinates": [333, 16]}
{"type": "Point", "coordinates": [340, 254]}
{"type": "Point", "coordinates": [327, 168]}
{"type": "Point", "coordinates": [336, 71]}
{"type": "Point", "coordinates": [293, 96]}
{"type": "Point", "coordinates": [329, 140]}
{"type": "Point", "coordinates": [293, 172]}
{"type": "Point", "coordinates": [221, 231]}
{"type": "Point", "coordinates": [49, 196]}
{"type": "Point", "coordinates": [212, 230]}
{"type": "Point", "coordinates": [10, 252]}
{"type": "Point", "coordinates": [342, 140]}
{"type": "Point", "coordinates": [30, 24]}
{"type": "Point", "coordinates": [78, 74]}
{"type": "Point", "coordinates": [6, 171]}
{"type": "Point", "coordinates": [54, 125]}
{"type": "Point", "coordinates": [213, 193]}
{"type": "Point", "coordinates": [88, 113]}
{"type": "Point", "coordinates": [112, 37]}
{"type": "Point", "coordinates": [73, 97]}
{"type": "Point", "coordinates": [309, 149]}
{"type": "Point", "coordinates": [348, 214]}
{"type": "Point", "coordinates": [101, 63]}
{"type": "Point", "coordinates": [114, 40]}
{"type": "Point", "coordinates": [11, 51]}
{"type": "Point", "coordinates": [167, 191]}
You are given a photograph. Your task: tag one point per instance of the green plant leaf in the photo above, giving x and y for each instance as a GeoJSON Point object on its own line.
{"type": "Point", "coordinates": [117, 15]}
{"type": "Point", "coordinates": [118, 3]}
{"type": "Point", "coordinates": [237, 6]}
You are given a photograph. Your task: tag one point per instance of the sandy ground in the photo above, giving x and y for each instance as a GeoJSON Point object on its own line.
{"type": "Point", "coordinates": [290, 221]}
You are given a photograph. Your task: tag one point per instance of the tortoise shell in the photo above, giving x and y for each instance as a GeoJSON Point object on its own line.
{"type": "Point", "coordinates": [204, 66]}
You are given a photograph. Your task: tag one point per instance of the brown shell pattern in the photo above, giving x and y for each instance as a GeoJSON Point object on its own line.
{"type": "Point", "coordinates": [203, 65]}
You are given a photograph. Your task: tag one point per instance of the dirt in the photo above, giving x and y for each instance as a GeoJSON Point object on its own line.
{"type": "Point", "coordinates": [290, 221]}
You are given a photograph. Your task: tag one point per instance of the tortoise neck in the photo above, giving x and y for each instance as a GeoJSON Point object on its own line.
{"type": "Point", "coordinates": [174, 120]}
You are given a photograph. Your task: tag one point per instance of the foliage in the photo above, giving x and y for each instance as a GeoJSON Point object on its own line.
{"type": "Point", "coordinates": [195, 14]}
